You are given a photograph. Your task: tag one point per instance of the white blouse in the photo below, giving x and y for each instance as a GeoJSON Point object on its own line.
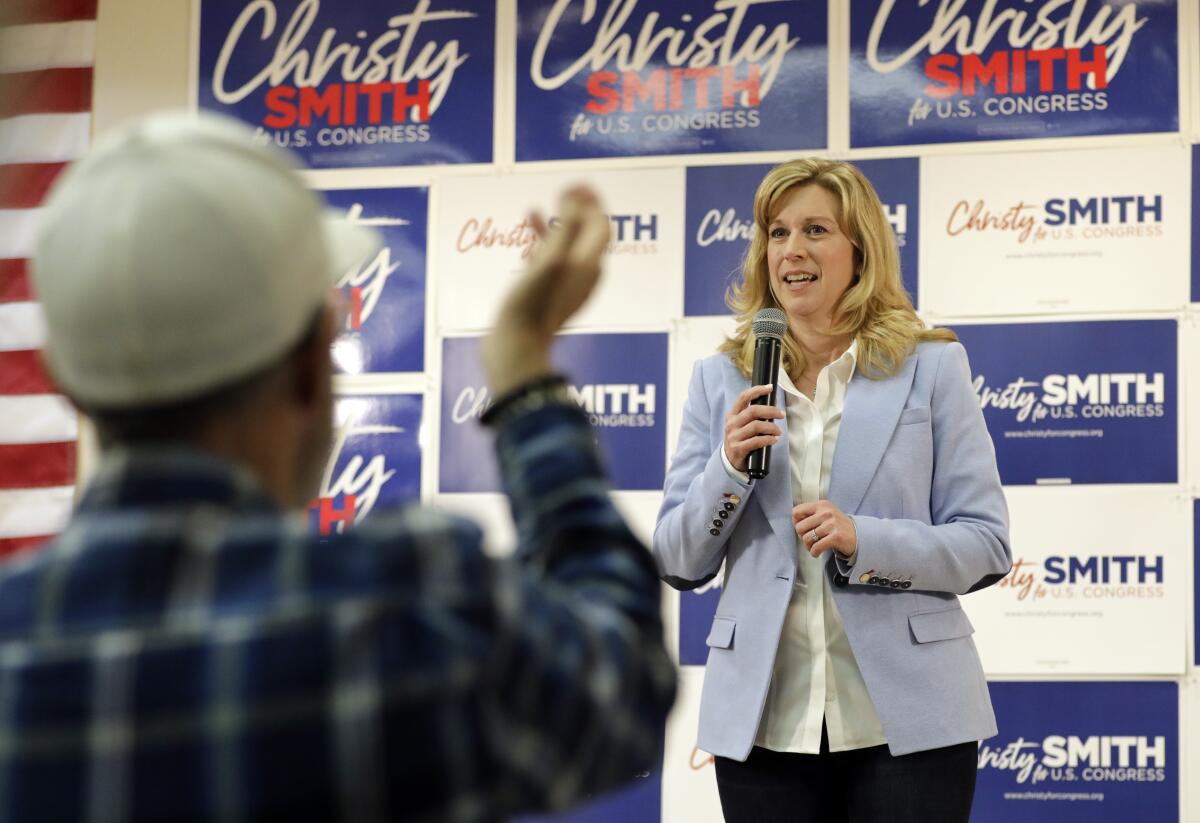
{"type": "Point", "coordinates": [815, 675]}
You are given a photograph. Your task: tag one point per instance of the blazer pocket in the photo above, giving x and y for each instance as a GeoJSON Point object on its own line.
{"type": "Point", "coordinates": [946, 624]}
{"type": "Point", "coordinates": [720, 636]}
{"type": "Point", "coordinates": [917, 414]}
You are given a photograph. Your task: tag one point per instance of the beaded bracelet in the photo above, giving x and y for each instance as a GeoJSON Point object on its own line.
{"type": "Point", "coordinates": [548, 390]}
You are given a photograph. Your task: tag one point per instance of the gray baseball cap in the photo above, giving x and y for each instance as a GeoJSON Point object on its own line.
{"type": "Point", "coordinates": [179, 256]}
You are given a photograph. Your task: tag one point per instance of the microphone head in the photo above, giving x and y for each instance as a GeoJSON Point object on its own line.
{"type": "Point", "coordinates": [770, 323]}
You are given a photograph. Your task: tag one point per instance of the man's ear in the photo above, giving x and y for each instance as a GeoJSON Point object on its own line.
{"type": "Point", "coordinates": [313, 368]}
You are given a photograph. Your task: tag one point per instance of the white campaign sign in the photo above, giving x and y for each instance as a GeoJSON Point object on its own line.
{"type": "Point", "coordinates": [694, 339]}
{"type": "Point", "coordinates": [487, 238]}
{"type": "Point", "coordinates": [492, 513]}
{"type": "Point", "coordinates": [487, 510]}
{"type": "Point", "coordinates": [1189, 777]}
{"type": "Point", "coordinates": [689, 778]}
{"type": "Point", "coordinates": [1099, 584]}
{"type": "Point", "coordinates": [1075, 231]}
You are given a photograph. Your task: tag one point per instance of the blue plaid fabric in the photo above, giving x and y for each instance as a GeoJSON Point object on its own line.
{"type": "Point", "coordinates": [185, 651]}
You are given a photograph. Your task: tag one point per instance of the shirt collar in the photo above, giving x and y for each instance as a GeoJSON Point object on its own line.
{"type": "Point", "coordinates": [842, 369]}
{"type": "Point", "coordinates": [845, 365]}
{"type": "Point", "coordinates": [172, 476]}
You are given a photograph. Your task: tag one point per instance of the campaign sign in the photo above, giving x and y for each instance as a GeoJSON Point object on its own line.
{"type": "Point", "coordinates": [1085, 592]}
{"type": "Point", "coordinates": [621, 77]}
{"type": "Point", "coordinates": [692, 339]}
{"type": "Point", "coordinates": [491, 512]}
{"type": "Point", "coordinates": [971, 70]}
{"type": "Point", "coordinates": [375, 461]}
{"type": "Point", "coordinates": [384, 295]}
{"type": "Point", "coordinates": [1078, 752]}
{"type": "Point", "coordinates": [897, 182]}
{"type": "Point", "coordinates": [696, 611]}
{"type": "Point", "coordinates": [1055, 231]}
{"type": "Point", "coordinates": [620, 381]}
{"type": "Point", "coordinates": [1195, 223]}
{"type": "Point", "coordinates": [485, 240]}
{"type": "Point", "coordinates": [389, 83]}
{"type": "Point", "coordinates": [637, 802]}
{"type": "Point", "coordinates": [1190, 354]}
{"type": "Point", "coordinates": [689, 776]}
{"type": "Point", "coordinates": [720, 224]}
{"type": "Point", "coordinates": [1085, 402]}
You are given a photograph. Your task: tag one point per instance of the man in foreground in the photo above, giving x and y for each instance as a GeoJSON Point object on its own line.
{"type": "Point", "coordinates": [185, 650]}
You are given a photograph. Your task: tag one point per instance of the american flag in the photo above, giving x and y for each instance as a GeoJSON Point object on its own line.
{"type": "Point", "coordinates": [46, 56]}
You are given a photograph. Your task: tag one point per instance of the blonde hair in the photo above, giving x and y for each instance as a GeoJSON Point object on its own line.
{"type": "Point", "coordinates": [875, 309]}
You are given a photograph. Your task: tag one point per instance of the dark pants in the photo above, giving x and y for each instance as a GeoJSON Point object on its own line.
{"type": "Point", "coordinates": [859, 786]}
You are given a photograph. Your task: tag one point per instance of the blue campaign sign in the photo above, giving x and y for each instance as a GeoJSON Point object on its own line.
{"type": "Point", "coordinates": [639, 802]}
{"type": "Point", "coordinates": [696, 612]}
{"type": "Point", "coordinates": [1086, 402]}
{"type": "Point", "coordinates": [374, 463]}
{"type": "Point", "coordinates": [720, 224]}
{"type": "Point", "coordinates": [391, 83]}
{"type": "Point", "coordinates": [620, 380]}
{"type": "Point", "coordinates": [1080, 752]}
{"type": "Point", "coordinates": [620, 78]}
{"type": "Point", "coordinates": [1195, 223]}
{"type": "Point", "coordinates": [1004, 69]}
{"type": "Point", "coordinates": [385, 295]}
{"type": "Point", "coordinates": [898, 184]}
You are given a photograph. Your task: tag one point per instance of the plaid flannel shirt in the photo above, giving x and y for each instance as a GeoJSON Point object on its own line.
{"type": "Point", "coordinates": [185, 651]}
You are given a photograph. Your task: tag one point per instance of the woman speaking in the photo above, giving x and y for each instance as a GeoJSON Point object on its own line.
{"type": "Point", "coordinates": [842, 682]}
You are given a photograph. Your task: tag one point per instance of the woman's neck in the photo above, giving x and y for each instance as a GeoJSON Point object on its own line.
{"type": "Point", "coordinates": [820, 348]}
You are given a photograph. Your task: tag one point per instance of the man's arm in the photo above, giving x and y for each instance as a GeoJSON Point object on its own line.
{"type": "Point", "coordinates": [586, 682]}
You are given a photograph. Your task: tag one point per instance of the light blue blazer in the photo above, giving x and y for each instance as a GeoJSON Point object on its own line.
{"type": "Point", "coordinates": [915, 468]}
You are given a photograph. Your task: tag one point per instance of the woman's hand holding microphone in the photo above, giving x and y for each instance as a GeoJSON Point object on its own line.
{"type": "Point", "coordinates": [749, 428]}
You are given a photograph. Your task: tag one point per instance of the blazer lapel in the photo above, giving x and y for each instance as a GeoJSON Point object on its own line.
{"type": "Point", "coordinates": [872, 409]}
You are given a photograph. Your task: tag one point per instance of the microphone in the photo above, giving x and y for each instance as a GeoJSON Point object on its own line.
{"type": "Point", "coordinates": [769, 327]}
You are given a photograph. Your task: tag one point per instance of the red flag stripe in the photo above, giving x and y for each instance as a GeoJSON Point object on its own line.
{"type": "Point", "coordinates": [14, 281]}
{"type": "Point", "coordinates": [20, 12]}
{"type": "Point", "coordinates": [37, 465]}
{"type": "Point", "coordinates": [21, 372]}
{"type": "Point", "coordinates": [49, 91]}
{"type": "Point", "coordinates": [24, 185]}
{"type": "Point", "coordinates": [14, 545]}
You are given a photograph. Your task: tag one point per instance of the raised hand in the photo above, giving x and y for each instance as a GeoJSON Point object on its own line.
{"type": "Point", "coordinates": [562, 273]}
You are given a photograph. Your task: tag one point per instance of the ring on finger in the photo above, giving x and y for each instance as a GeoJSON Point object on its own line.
{"type": "Point", "coordinates": [812, 536]}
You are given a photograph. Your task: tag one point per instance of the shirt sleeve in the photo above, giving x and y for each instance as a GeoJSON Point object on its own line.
{"type": "Point", "coordinates": [738, 476]}
{"type": "Point", "coordinates": [582, 679]}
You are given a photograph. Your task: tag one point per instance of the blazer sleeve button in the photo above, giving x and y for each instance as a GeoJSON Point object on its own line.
{"type": "Point", "coordinates": [714, 532]}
